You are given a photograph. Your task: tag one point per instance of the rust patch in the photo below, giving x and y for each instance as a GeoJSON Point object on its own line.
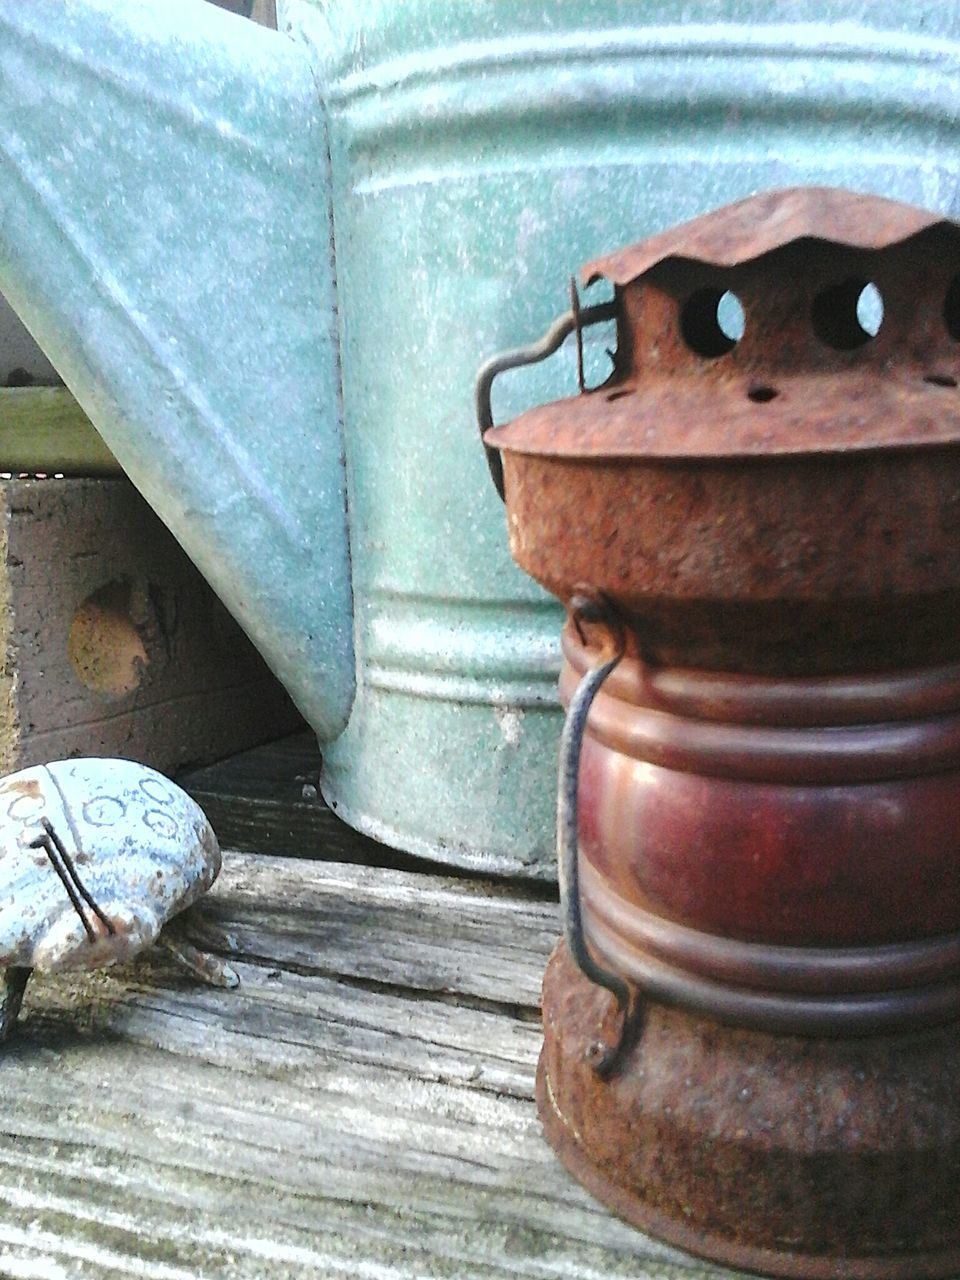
{"type": "Point", "coordinates": [782, 497]}
{"type": "Point", "coordinates": [24, 787]}
{"type": "Point", "coordinates": [765, 494]}
{"type": "Point", "coordinates": [816, 1159]}
{"type": "Point", "coordinates": [760, 224]}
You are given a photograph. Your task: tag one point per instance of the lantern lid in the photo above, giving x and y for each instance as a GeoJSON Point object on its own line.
{"type": "Point", "coordinates": [812, 371]}
{"type": "Point", "coordinates": [759, 224]}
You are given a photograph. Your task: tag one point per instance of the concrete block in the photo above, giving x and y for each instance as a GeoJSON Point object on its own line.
{"type": "Point", "coordinates": [111, 641]}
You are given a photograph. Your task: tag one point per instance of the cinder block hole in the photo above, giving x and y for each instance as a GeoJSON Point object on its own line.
{"type": "Point", "coordinates": [104, 644]}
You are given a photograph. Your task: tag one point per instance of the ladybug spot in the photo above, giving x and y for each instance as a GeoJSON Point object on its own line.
{"type": "Point", "coordinates": [26, 807]}
{"type": "Point", "coordinates": [161, 824]}
{"type": "Point", "coordinates": [155, 790]}
{"type": "Point", "coordinates": [103, 811]}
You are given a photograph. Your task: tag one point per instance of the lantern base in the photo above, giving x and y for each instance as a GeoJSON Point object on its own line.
{"type": "Point", "coordinates": [833, 1158]}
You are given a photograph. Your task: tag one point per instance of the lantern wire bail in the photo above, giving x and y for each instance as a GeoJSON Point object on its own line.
{"type": "Point", "coordinates": [576, 318]}
{"type": "Point", "coordinates": [578, 329]}
{"type": "Point", "coordinates": [593, 608]}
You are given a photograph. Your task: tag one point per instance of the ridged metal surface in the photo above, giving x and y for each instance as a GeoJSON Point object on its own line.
{"type": "Point", "coordinates": [156, 238]}
{"type": "Point", "coordinates": [479, 155]}
{"type": "Point", "coordinates": [165, 229]}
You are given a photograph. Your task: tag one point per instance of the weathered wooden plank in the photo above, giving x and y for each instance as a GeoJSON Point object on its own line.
{"type": "Point", "coordinates": [361, 1106]}
{"type": "Point", "coordinates": [281, 1020]}
{"type": "Point", "coordinates": [43, 430]}
{"type": "Point", "coordinates": [265, 800]}
{"type": "Point", "coordinates": [371, 932]}
{"type": "Point", "coordinates": [427, 933]}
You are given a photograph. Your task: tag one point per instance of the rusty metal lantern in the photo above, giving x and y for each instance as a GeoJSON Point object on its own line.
{"type": "Point", "coordinates": [751, 1027]}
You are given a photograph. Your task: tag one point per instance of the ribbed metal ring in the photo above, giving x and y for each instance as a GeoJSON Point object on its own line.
{"type": "Point", "coordinates": [793, 701]}
{"type": "Point", "coordinates": [794, 990]}
{"type": "Point", "coordinates": [812, 755]}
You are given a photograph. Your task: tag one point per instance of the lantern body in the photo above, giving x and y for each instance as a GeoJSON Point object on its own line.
{"type": "Point", "coordinates": [766, 517]}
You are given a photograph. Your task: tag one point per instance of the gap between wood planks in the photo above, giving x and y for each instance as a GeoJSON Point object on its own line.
{"type": "Point", "coordinates": [266, 800]}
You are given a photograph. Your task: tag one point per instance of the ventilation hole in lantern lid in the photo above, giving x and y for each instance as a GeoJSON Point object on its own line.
{"type": "Point", "coordinates": [762, 395]}
{"type": "Point", "coordinates": [870, 309]}
{"type": "Point", "coordinates": [730, 316]}
{"type": "Point", "coordinates": [712, 322]}
{"type": "Point", "coordinates": [951, 310]}
{"type": "Point", "coordinates": [848, 314]}
{"type": "Point", "coordinates": [940, 380]}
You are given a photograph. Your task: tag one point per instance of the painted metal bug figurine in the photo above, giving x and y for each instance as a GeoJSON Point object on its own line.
{"type": "Point", "coordinates": [98, 860]}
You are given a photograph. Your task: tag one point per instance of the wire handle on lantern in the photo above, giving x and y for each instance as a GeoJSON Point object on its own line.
{"type": "Point", "coordinates": [576, 318]}
{"type": "Point", "coordinates": [585, 608]}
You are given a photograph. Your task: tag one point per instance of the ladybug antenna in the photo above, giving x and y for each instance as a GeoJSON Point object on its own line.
{"type": "Point", "coordinates": [64, 866]}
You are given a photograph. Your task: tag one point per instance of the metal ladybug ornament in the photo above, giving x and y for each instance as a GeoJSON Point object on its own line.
{"type": "Point", "coordinates": [99, 859]}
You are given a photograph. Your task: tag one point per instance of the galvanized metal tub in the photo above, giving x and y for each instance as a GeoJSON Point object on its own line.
{"type": "Point", "coordinates": [473, 153]}
{"type": "Point", "coordinates": [476, 154]}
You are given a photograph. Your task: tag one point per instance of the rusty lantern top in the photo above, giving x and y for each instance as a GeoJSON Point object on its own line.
{"type": "Point", "coordinates": [769, 480]}
{"type": "Point", "coordinates": [808, 320]}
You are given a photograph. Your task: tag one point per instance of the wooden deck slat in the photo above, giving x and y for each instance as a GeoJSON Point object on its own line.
{"type": "Point", "coordinates": [361, 1106]}
{"type": "Point", "coordinates": [433, 935]}
{"type": "Point", "coordinates": [256, 800]}
{"type": "Point", "coordinates": [43, 430]}
{"type": "Point", "coordinates": [265, 800]}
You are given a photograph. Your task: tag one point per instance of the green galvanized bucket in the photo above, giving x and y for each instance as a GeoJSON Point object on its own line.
{"type": "Point", "coordinates": [268, 264]}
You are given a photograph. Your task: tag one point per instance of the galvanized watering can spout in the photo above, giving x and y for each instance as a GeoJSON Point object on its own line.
{"type": "Point", "coordinates": [155, 237]}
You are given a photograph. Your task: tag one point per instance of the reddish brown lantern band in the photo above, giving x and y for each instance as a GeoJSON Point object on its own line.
{"type": "Point", "coordinates": [792, 990]}
{"type": "Point", "coordinates": [822, 834]}
{"type": "Point", "coordinates": [811, 754]}
{"type": "Point", "coordinates": [777, 701]}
